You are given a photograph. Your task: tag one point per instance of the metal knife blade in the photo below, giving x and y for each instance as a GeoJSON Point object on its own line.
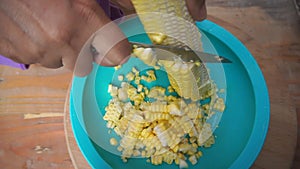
{"type": "Point", "coordinates": [186, 54]}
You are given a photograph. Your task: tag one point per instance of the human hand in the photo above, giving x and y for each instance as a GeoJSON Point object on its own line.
{"type": "Point", "coordinates": [52, 32]}
{"type": "Point", "coordinates": [196, 8]}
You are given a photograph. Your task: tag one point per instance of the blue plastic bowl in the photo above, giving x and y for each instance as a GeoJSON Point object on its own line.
{"type": "Point", "coordinates": [242, 129]}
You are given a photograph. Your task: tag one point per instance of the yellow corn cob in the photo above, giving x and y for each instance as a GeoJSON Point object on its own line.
{"type": "Point", "coordinates": [182, 79]}
{"type": "Point", "coordinates": [168, 22]}
{"type": "Point", "coordinates": [165, 21]}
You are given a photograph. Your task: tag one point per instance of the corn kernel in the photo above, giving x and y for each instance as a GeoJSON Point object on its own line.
{"type": "Point", "coordinates": [143, 153]}
{"type": "Point", "coordinates": [138, 51]}
{"type": "Point", "coordinates": [193, 159]}
{"type": "Point", "coordinates": [197, 63]}
{"type": "Point", "coordinates": [137, 80]}
{"type": "Point", "coordinates": [119, 148]}
{"type": "Point", "coordinates": [156, 67]}
{"type": "Point", "coordinates": [136, 153]}
{"type": "Point", "coordinates": [183, 164]}
{"type": "Point", "coordinates": [118, 67]}
{"type": "Point", "coordinates": [120, 77]}
{"type": "Point", "coordinates": [219, 105]}
{"type": "Point", "coordinates": [113, 141]}
{"type": "Point", "coordinates": [177, 160]}
{"type": "Point", "coordinates": [144, 78]}
{"type": "Point", "coordinates": [150, 72]}
{"type": "Point", "coordinates": [134, 70]}
{"type": "Point", "coordinates": [157, 38]}
{"type": "Point", "coordinates": [109, 88]}
{"type": "Point", "coordinates": [130, 76]}
{"type": "Point", "coordinates": [140, 87]}
{"type": "Point", "coordinates": [199, 154]}
{"type": "Point", "coordinates": [170, 89]}
{"type": "Point", "coordinates": [175, 149]}
{"type": "Point", "coordinates": [124, 159]}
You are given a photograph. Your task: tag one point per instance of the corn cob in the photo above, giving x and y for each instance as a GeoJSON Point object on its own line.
{"type": "Point", "coordinates": [168, 22]}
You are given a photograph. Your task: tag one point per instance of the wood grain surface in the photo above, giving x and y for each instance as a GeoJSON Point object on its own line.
{"type": "Point", "coordinates": [31, 118]}
{"type": "Point", "coordinates": [32, 102]}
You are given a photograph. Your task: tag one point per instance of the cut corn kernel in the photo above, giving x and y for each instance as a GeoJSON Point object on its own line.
{"type": "Point", "coordinates": [109, 88]}
{"type": "Point", "coordinates": [140, 87]}
{"type": "Point", "coordinates": [113, 141]}
{"type": "Point", "coordinates": [147, 55]}
{"type": "Point", "coordinates": [118, 67]}
{"type": "Point", "coordinates": [183, 164]}
{"type": "Point", "coordinates": [199, 154]}
{"type": "Point", "coordinates": [113, 90]}
{"type": "Point", "coordinates": [197, 63]}
{"type": "Point", "coordinates": [157, 38]}
{"type": "Point", "coordinates": [170, 89]}
{"type": "Point", "coordinates": [193, 159]}
{"type": "Point", "coordinates": [130, 76]}
{"type": "Point", "coordinates": [134, 70]}
{"type": "Point", "coordinates": [137, 80]}
{"type": "Point", "coordinates": [219, 105]}
{"type": "Point", "coordinates": [120, 77]}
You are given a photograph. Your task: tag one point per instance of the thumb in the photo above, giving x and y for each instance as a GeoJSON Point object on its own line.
{"type": "Point", "coordinates": [111, 46]}
{"type": "Point", "coordinates": [108, 47]}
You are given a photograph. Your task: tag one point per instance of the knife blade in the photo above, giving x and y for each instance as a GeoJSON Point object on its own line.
{"type": "Point", "coordinates": [186, 54]}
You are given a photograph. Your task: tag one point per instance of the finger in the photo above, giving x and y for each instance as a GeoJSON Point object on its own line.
{"type": "Point", "coordinates": [108, 36]}
{"type": "Point", "coordinates": [87, 14]}
{"type": "Point", "coordinates": [91, 18]}
{"type": "Point", "coordinates": [111, 45]}
{"type": "Point", "coordinates": [197, 9]}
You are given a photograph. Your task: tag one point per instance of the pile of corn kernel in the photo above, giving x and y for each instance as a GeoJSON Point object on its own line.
{"type": "Point", "coordinates": [166, 129]}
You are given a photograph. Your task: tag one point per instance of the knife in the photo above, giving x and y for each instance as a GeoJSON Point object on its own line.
{"type": "Point", "coordinates": [186, 54]}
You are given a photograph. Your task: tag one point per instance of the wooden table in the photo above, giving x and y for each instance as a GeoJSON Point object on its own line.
{"type": "Point", "coordinates": [32, 102]}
